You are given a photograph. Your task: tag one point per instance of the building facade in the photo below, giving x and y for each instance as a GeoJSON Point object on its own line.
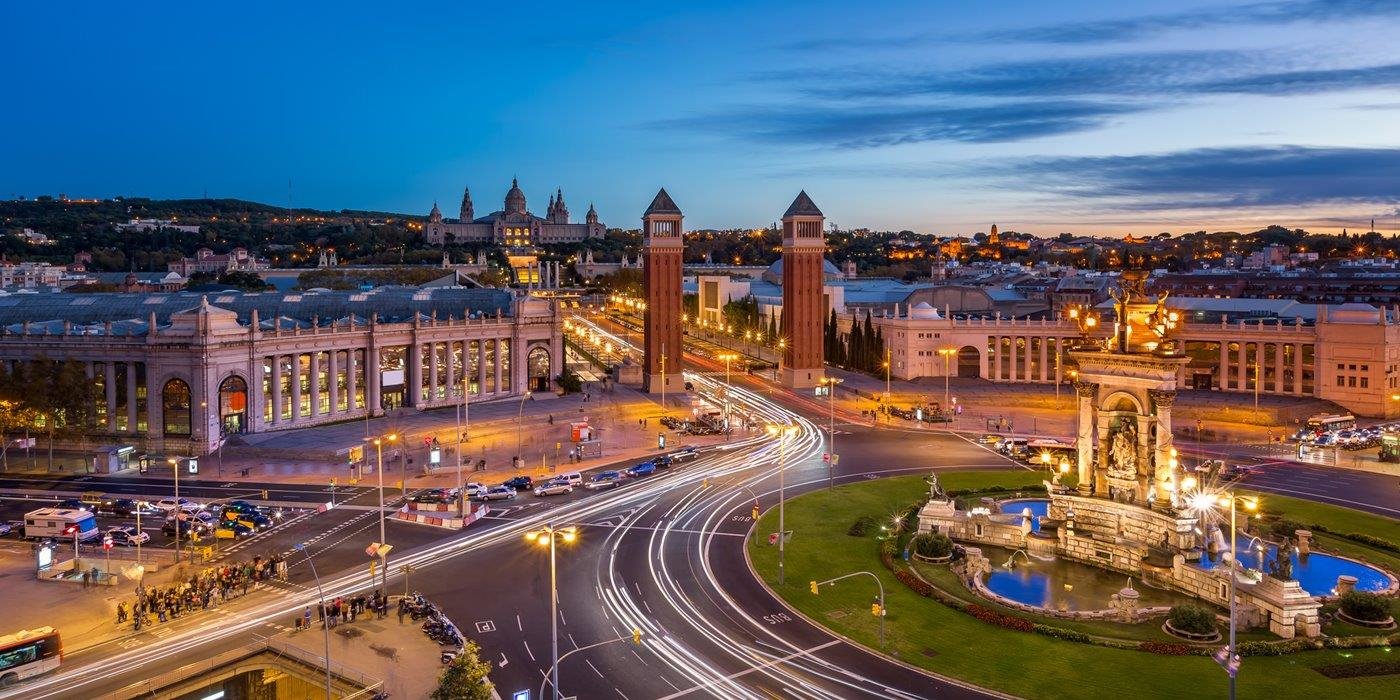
{"type": "Point", "coordinates": [205, 260]}
{"type": "Point", "coordinates": [179, 372]}
{"type": "Point", "coordinates": [513, 226]}
{"type": "Point", "coordinates": [1350, 354]}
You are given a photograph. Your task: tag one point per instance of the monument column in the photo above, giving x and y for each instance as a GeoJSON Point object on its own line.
{"type": "Point", "coordinates": [315, 383]}
{"type": "Point", "coordinates": [1162, 472]}
{"type": "Point", "coordinates": [662, 248]}
{"type": "Point", "coordinates": [276, 389]}
{"type": "Point", "coordinates": [333, 382]}
{"type": "Point", "coordinates": [1224, 365]}
{"type": "Point", "coordinates": [804, 305]}
{"type": "Point", "coordinates": [1085, 443]}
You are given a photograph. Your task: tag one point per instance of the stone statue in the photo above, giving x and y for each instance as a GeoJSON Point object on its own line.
{"type": "Point", "coordinates": [1123, 451]}
{"type": "Point", "coordinates": [935, 491]}
{"type": "Point", "coordinates": [1281, 567]}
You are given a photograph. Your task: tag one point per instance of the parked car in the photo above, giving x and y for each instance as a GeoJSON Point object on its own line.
{"type": "Point", "coordinates": [553, 488]}
{"type": "Point", "coordinates": [11, 526]}
{"type": "Point", "coordinates": [498, 493]}
{"type": "Point", "coordinates": [127, 536]}
{"type": "Point", "coordinates": [646, 468]}
{"type": "Point", "coordinates": [519, 483]}
{"type": "Point", "coordinates": [604, 480]}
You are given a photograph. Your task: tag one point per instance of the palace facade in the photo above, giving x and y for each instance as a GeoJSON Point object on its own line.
{"type": "Point", "coordinates": [180, 372]}
{"type": "Point", "coordinates": [514, 225]}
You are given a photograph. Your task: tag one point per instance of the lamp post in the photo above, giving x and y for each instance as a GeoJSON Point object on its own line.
{"type": "Point", "coordinates": [519, 418]}
{"type": "Point", "coordinates": [379, 472]}
{"type": "Point", "coordinates": [325, 623]}
{"type": "Point", "coordinates": [461, 501]}
{"type": "Point", "coordinates": [547, 537]}
{"type": "Point", "coordinates": [175, 466]}
{"type": "Point", "coordinates": [727, 357]}
{"type": "Point", "coordinates": [1231, 662]}
{"type": "Point", "coordinates": [887, 374]}
{"type": "Point", "coordinates": [782, 431]}
{"type": "Point", "coordinates": [831, 383]}
{"type": "Point", "coordinates": [947, 354]}
{"type": "Point", "coordinates": [878, 609]}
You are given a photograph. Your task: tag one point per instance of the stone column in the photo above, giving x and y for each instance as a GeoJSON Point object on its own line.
{"type": "Point", "coordinates": [296, 386]}
{"type": "Point", "coordinates": [1044, 373]}
{"type": "Point", "coordinates": [1224, 365]}
{"type": "Point", "coordinates": [1242, 370]}
{"type": "Point", "coordinates": [1014, 369]}
{"type": "Point", "coordinates": [1278, 369]}
{"type": "Point", "coordinates": [372, 380]}
{"type": "Point", "coordinates": [498, 365]}
{"type": "Point", "coordinates": [450, 373]}
{"type": "Point", "coordinates": [109, 386]}
{"type": "Point", "coordinates": [131, 398]}
{"type": "Point", "coordinates": [350, 369]}
{"type": "Point", "coordinates": [1298, 369]}
{"type": "Point", "coordinates": [276, 389]}
{"type": "Point", "coordinates": [481, 367]}
{"type": "Point", "coordinates": [333, 383]}
{"type": "Point", "coordinates": [1162, 474]}
{"type": "Point", "coordinates": [315, 369]}
{"type": "Point", "coordinates": [995, 373]}
{"type": "Point", "coordinates": [415, 375]}
{"type": "Point", "coordinates": [433, 371]}
{"type": "Point", "coordinates": [1085, 444]}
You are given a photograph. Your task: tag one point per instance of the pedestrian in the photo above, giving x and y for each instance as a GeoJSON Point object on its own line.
{"type": "Point", "coordinates": [306, 618]}
{"type": "Point", "coordinates": [121, 612]}
{"type": "Point", "coordinates": [402, 609]}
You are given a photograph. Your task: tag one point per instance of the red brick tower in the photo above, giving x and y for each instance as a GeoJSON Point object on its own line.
{"type": "Point", "coordinates": [661, 284]}
{"type": "Point", "coordinates": [804, 306]}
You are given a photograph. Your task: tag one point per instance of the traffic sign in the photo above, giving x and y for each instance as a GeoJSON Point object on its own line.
{"type": "Point", "coordinates": [106, 541]}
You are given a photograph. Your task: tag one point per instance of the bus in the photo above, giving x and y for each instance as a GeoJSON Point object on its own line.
{"type": "Point", "coordinates": [1329, 422]}
{"type": "Point", "coordinates": [28, 653]}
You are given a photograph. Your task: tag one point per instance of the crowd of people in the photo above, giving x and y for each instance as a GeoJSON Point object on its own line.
{"type": "Point", "coordinates": [209, 587]}
{"type": "Point", "coordinates": [346, 610]}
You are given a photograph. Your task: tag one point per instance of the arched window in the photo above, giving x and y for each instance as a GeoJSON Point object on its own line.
{"type": "Point", "coordinates": [175, 406]}
{"type": "Point", "coordinates": [233, 405]}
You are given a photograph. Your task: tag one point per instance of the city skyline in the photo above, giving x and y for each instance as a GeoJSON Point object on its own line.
{"type": "Point", "coordinates": [939, 118]}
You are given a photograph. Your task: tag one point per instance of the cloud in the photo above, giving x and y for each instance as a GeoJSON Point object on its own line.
{"type": "Point", "coordinates": [1307, 81]}
{"type": "Point", "coordinates": [1216, 178]}
{"type": "Point", "coordinates": [871, 127]}
{"type": "Point", "coordinates": [1130, 28]}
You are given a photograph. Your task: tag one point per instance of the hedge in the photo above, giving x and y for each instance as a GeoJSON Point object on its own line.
{"type": "Point", "coordinates": [1358, 669]}
{"type": "Point", "coordinates": [1369, 607]}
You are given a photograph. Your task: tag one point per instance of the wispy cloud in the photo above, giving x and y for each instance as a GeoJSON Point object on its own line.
{"type": "Point", "coordinates": [1216, 178]}
{"type": "Point", "coordinates": [870, 127]}
{"type": "Point", "coordinates": [1257, 14]}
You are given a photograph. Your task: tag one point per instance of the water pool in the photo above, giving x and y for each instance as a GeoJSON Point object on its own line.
{"type": "Point", "coordinates": [1050, 583]}
{"type": "Point", "coordinates": [1039, 507]}
{"type": "Point", "coordinates": [1316, 572]}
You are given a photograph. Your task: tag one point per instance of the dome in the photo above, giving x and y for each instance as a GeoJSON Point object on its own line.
{"type": "Point", "coordinates": [924, 310]}
{"type": "Point", "coordinates": [515, 199]}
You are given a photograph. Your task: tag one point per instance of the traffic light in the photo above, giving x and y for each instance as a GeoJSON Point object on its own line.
{"type": "Point", "coordinates": [875, 609]}
{"type": "Point", "coordinates": [637, 637]}
{"type": "Point", "coordinates": [755, 511]}
{"type": "Point", "coordinates": [264, 494]}
{"type": "Point", "coordinates": [813, 584]}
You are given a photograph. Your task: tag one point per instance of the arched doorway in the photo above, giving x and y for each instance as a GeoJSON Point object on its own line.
{"type": "Point", "coordinates": [537, 369]}
{"type": "Point", "coordinates": [233, 405]}
{"type": "Point", "coordinates": [969, 362]}
{"type": "Point", "coordinates": [175, 407]}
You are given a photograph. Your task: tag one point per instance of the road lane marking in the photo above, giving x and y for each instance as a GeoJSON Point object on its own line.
{"type": "Point", "coordinates": [527, 649]}
{"type": "Point", "coordinates": [595, 668]}
{"type": "Point", "coordinates": [752, 668]}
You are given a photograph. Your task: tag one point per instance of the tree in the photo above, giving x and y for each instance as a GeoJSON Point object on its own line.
{"type": "Point", "coordinates": [465, 678]}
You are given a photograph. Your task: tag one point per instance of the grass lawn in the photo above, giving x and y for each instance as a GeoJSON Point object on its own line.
{"type": "Point", "coordinates": [928, 634]}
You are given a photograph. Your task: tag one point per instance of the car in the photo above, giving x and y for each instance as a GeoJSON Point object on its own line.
{"type": "Point", "coordinates": [257, 521]}
{"type": "Point", "coordinates": [243, 507]}
{"type": "Point", "coordinates": [603, 480]}
{"type": "Point", "coordinates": [553, 488]}
{"type": "Point", "coordinates": [686, 455]}
{"type": "Point", "coordinates": [498, 493]}
{"type": "Point", "coordinates": [646, 468]}
{"type": "Point", "coordinates": [228, 530]}
{"type": "Point", "coordinates": [127, 536]}
{"type": "Point", "coordinates": [170, 504]}
{"type": "Point", "coordinates": [990, 439]}
{"type": "Point", "coordinates": [474, 489]}
{"type": "Point", "coordinates": [435, 496]}
{"type": "Point", "coordinates": [519, 483]}
{"type": "Point", "coordinates": [11, 526]}
{"type": "Point", "coordinates": [73, 504]}
{"type": "Point", "coordinates": [187, 526]}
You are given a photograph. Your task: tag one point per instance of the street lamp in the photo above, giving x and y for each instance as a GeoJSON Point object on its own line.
{"type": "Point", "coordinates": [463, 413]}
{"type": "Point", "coordinates": [947, 354]}
{"type": "Point", "coordinates": [175, 466]}
{"type": "Point", "coordinates": [379, 471]}
{"type": "Point", "coordinates": [325, 622]}
{"type": "Point", "coordinates": [830, 384]}
{"type": "Point", "coordinates": [547, 537]}
{"type": "Point", "coordinates": [782, 431]}
{"type": "Point", "coordinates": [727, 357]}
{"type": "Point", "coordinates": [887, 374]}
{"type": "Point", "coordinates": [519, 417]}
{"type": "Point", "coordinates": [1231, 661]}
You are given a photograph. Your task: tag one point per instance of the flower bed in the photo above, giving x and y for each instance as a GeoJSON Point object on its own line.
{"type": "Point", "coordinates": [1191, 636]}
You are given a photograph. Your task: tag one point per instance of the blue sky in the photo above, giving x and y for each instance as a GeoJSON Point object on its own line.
{"type": "Point", "coordinates": [940, 117]}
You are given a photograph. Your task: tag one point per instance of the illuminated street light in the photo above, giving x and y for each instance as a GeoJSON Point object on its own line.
{"type": "Point", "coordinates": [548, 536]}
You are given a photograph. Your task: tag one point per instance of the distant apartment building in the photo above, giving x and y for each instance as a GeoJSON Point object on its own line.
{"type": "Point", "coordinates": [30, 274]}
{"type": "Point", "coordinates": [205, 260]}
{"type": "Point", "coordinates": [155, 225]}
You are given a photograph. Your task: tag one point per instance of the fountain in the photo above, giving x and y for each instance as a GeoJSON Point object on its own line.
{"type": "Point", "coordinates": [1136, 510]}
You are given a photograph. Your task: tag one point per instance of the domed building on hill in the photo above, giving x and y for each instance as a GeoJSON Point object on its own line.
{"type": "Point", "coordinates": [514, 225]}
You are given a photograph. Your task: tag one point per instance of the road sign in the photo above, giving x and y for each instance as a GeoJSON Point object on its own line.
{"type": "Point", "coordinates": [106, 541]}
{"type": "Point", "coordinates": [826, 457]}
{"type": "Point", "coordinates": [194, 465]}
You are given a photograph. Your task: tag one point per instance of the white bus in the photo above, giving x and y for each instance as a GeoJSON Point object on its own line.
{"type": "Point", "coordinates": [60, 523]}
{"type": "Point", "coordinates": [1328, 422]}
{"type": "Point", "coordinates": [28, 653]}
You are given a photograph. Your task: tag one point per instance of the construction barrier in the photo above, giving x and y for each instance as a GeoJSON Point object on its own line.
{"type": "Point", "coordinates": [478, 511]}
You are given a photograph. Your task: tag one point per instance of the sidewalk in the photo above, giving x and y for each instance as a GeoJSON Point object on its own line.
{"type": "Point", "coordinates": [399, 654]}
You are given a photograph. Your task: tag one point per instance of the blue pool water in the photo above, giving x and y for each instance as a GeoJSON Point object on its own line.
{"type": "Point", "coordinates": [1058, 582]}
{"type": "Point", "coordinates": [1039, 508]}
{"type": "Point", "coordinates": [1317, 572]}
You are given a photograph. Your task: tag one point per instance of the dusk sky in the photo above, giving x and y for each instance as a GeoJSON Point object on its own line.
{"type": "Point", "coordinates": [941, 117]}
